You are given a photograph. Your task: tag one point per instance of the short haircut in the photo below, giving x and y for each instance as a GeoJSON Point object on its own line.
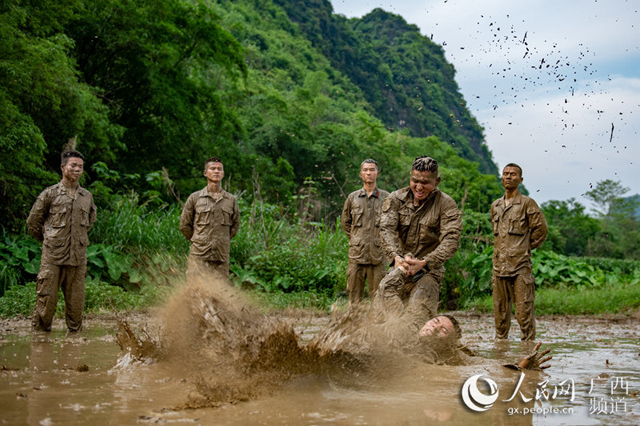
{"type": "Point", "coordinates": [370, 161]}
{"type": "Point", "coordinates": [456, 325]}
{"type": "Point", "coordinates": [212, 160]}
{"type": "Point", "coordinates": [425, 164]}
{"type": "Point", "coordinates": [513, 165]}
{"type": "Point", "coordinates": [64, 157]}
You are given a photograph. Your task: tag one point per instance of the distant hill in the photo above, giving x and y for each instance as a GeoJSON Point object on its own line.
{"type": "Point", "coordinates": [404, 75]}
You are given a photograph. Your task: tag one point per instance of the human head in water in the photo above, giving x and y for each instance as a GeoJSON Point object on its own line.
{"type": "Point", "coordinates": [442, 326]}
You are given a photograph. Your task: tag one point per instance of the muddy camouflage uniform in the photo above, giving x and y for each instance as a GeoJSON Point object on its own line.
{"type": "Point", "coordinates": [517, 229]}
{"type": "Point", "coordinates": [361, 222]}
{"type": "Point", "coordinates": [429, 232]}
{"type": "Point", "coordinates": [61, 221]}
{"type": "Point", "coordinates": [210, 222]}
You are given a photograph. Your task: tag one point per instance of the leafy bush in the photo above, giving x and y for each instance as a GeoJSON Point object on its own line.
{"type": "Point", "coordinates": [19, 260]}
{"type": "Point", "coordinates": [273, 253]}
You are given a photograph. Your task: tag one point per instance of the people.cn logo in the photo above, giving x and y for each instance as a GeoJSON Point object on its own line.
{"type": "Point", "coordinates": [476, 400]}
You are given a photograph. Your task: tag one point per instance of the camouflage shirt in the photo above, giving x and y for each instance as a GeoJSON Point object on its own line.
{"type": "Point", "coordinates": [361, 222]}
{"type": "Point", "coordinates": [517, 229]}
{"type": "Point", "coordinates": [430, 231]}
{"type": "Point", "coordinates": [210, 224]}
{"type": "Point", "coordinates": [62, 221]}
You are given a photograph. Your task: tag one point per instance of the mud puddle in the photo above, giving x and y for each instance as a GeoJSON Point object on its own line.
{"type": "Point", "coordinates": [55, 379]}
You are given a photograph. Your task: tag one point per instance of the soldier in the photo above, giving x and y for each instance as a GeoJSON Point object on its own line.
{"type": "Point", "coordinates": [518, 227]}
{"type": "Point", "coordinates": [361, 222]}
{"type": "Point", "coordinates": [210, 219]}
{"type": "Point", "coordinates": [61, 218]}
{"type": "Point", "coordinates": [419, 230]}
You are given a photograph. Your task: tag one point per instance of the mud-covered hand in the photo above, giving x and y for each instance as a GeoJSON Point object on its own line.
{"type": "Point", "coordinates": [414, 265]}
{"type": "Point", "coordinates": [536, 360]}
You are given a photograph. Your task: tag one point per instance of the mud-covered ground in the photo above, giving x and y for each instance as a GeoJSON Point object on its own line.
{"type": "Point", "coordinates": [53, 378]}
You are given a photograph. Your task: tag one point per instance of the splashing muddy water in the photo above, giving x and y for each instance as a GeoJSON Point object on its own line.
{"type": "Point", "coordinates": [209, 357]}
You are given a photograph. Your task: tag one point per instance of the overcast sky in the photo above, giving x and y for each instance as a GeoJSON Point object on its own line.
{"type": "Point", "coordinates": [547, 79]}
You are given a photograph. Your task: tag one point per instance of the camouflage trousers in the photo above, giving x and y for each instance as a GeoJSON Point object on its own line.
{"type": "Point", "coordinates": [397, 290]}
{"type": "Point", "coordinates": [51, 279]}
{"type": "Point", "coordinates": [519, 290]}
{"type": "Point", "coordinates": [358, 274]}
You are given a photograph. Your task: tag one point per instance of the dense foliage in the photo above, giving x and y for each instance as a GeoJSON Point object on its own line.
{"type": "Point", "coordinates": [162, 85]}
{"type": "Point", "coordinates": [293, 98]}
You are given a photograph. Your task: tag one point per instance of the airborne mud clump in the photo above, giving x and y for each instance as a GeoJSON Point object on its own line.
{"type": "Point", "coordinates": [211, 335]}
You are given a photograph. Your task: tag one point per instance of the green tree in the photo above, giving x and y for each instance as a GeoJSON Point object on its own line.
{"type": "Point", "coordinates": [570, 227]}
{"type": "Point", "coordinates": [620, 236]}
{"type": "Point", "coordinates": [42, 103]}
{"type": "Point", "coordinates": [162, 66]}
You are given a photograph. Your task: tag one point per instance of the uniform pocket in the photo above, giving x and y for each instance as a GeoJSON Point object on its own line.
{"type": "Point", "coordinates": [227, 214]}
{"type": "Point", "coordinates": [429, 228]}
{"type": "Point", "coordinates": [203, 215]}
{"type": "Point", "coordinates": [58, 216]}
{"type": "Point", "coordinates": [404, 218]}
{"type": "Point", "coordinates": [518, 226]}
{"type": "Point", "coordinates": [356, 216]}
{"type": "Point", "coordinates": [85, 212]}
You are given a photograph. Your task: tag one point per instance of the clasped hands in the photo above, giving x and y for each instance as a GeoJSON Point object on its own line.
{"type": "Point", "coordinates": [409, 264]}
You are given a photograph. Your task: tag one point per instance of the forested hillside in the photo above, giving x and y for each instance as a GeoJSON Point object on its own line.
{"type": "Point", "coordinates": [158, 86]}
{"type": "Point", "coordinates": [404, 76]}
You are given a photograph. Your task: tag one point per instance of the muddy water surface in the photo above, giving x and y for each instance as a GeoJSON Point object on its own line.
{"type": "Point", "coordinates": [55, 379]}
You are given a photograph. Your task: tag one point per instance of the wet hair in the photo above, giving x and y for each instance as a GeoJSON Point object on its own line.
{"type": "Point", "coordinates": [212, 160]}
{"type": "Point", "coordinates": [64, 157]}
{"type": "Point", "coordinates": [514, 165]}
{"type": "Point", "coordinates": [371, 161]}
{"type": "Point", "coordinates": [425, 164]}
{"type": "Point", "coordinates": [456, 325]}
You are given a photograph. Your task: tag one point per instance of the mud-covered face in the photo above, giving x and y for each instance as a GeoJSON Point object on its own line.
{"type": "Point", "coordinates": [369, 173]}
{"type": "Point", "coordinates": [214, 172]}
{"type": "Point", "coordinates": [511, 178]}
{"type": "Point", "coordinates": [72, 169]}
{"type": "Point", "coordinates": [423, 183]}
{"type": "Point", "coordinates": [438, 326]}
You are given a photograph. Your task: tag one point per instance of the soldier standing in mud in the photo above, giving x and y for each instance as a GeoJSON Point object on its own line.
{"type": "Point", "coordinates": [361, 222]}
{"type": "Point", "coordinates": [420, 230]}
{"type": "Point", "coordinates": [210, 219]}
{"type": "Point", "coordinates": [518, 227]}
{"type": "Point", "coordinates": [61, 218]}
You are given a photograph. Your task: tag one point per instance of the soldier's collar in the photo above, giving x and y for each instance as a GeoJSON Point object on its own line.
{"type": "Point", "coordinates": [375, 193]}
{"type": "Point", "coordinates": [515, 200]}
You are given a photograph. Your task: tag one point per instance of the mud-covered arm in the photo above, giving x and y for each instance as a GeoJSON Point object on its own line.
{"type": "Point", "coordinates": [389, 236]}
{"type": "Point", "coordinates": [235, 219]}
{"type": "Point", "coordinates": [186, 218]}
{"type": "Point", "coordinates": [37, 216]}
{"type": "Point", "coordinates": [537, 225]}
{"type": "Point", "coordinates": [450, 230]}
{"type": "Point", "coordinates": [92, 214]}
{"type": "Point", "coordinates": [345, 217]}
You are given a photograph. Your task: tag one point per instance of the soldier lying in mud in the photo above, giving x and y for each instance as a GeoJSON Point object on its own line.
{"type": "Point", "coordinates": [231, 352]}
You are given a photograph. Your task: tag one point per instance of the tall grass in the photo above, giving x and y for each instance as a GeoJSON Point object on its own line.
{"type": "Point", "coordinates": [135, 228]}
{"type": "Point", "coordinates": [276, 254]}
{"type": "Point", "coordinates": [564, 300]}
